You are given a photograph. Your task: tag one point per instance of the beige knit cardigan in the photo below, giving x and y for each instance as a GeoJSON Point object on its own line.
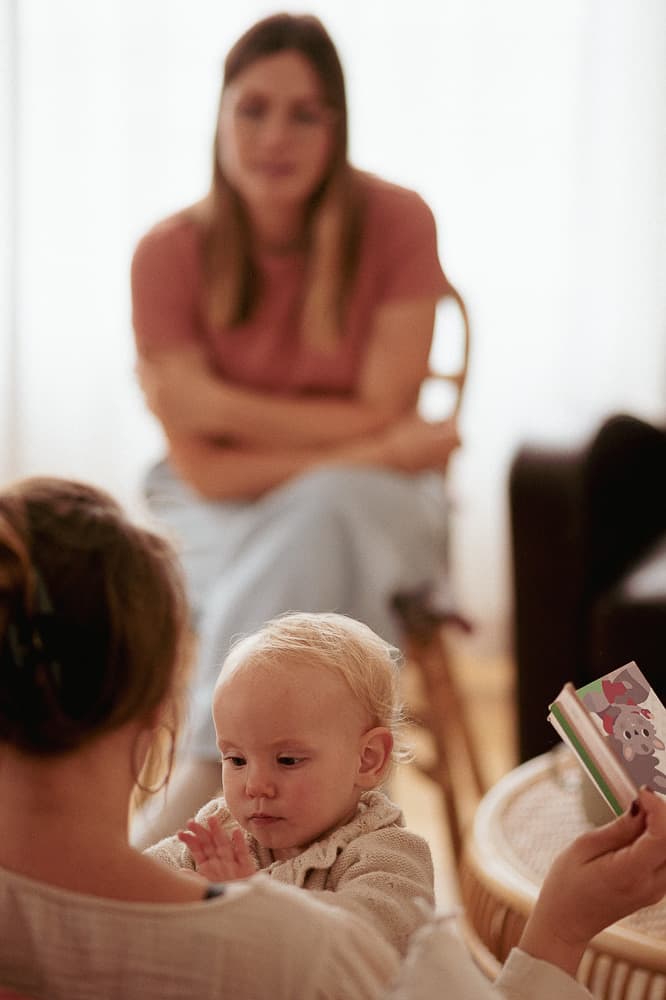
{"type": "Point", "coordinates": [372, 866]}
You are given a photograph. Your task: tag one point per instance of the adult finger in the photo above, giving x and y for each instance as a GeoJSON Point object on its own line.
{"type": "Point", "coordinates": [612, 836]}
{"type": "Point", "coordinates": [654, 807]}
{"type": "Point", "coordinates": [650, 849]}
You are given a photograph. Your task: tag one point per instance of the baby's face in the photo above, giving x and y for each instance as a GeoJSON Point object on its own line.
{"type": "Point", "coordinates": [290, 739]}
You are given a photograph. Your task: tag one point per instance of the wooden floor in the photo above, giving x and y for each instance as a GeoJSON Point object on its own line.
{"type": "Point", "coordinates": [488, 688]}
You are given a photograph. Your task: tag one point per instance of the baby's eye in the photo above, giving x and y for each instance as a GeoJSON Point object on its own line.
{"type": "Point", "coordinates": [289, 761]}
{"type": "Point", "coordinates": [234, 760]}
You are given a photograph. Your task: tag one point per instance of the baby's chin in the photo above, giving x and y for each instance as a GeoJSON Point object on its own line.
{"type": "Point", "coordinates": [285, 853]}
{"type": "Point", "coordinates": [268, 835]}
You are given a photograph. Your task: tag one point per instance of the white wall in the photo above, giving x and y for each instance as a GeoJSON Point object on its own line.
{"type": "Point", "coordinates": [535, 131]}
{"type": "Point", "coordinates": [8, 124]}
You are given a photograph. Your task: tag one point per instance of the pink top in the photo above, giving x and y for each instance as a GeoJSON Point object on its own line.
{"type": "Point", "coordinates": [398, 261]}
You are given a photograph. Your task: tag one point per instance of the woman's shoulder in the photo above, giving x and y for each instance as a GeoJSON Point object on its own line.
{"type": "Point", "coordinates": [399, 241]}
{"type": "Point", "coordinates": [180, 231]}
{"type": "Point", "coordinates": [392, 204]}
{"type": "Point", "coordinates": [168, 255]}
{"type": "Point", "coordinates": [249, 932]}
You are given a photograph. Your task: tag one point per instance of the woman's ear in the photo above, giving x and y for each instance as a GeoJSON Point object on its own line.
{"type": "Point", "coordinates": [157, 716]}
{"type": "Point", "coordinates": [374, 756]}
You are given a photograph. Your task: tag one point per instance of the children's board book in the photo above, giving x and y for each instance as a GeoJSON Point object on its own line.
{"type": "Point", "coordinates": [616, 726]}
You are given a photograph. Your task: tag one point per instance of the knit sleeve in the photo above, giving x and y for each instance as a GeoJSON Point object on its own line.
{"type": "Point", "coordinates": [386, 876]}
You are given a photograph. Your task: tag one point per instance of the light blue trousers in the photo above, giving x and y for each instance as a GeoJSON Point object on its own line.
{"type": "Point", "coordinates": [336, 539]}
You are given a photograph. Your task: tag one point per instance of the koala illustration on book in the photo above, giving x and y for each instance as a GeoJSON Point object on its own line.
{"type": "Point", "coordinates": [629, 727]}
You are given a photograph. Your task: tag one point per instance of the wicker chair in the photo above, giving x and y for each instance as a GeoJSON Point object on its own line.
{"type": "Point", "coordinates": [427, 617]}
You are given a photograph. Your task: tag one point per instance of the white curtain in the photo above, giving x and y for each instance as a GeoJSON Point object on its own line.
{"type": "Point", "coordinates": [536, 131]}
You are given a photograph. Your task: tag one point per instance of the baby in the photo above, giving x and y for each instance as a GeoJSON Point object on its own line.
{"type": "Point", "coordinates": [307, 717]}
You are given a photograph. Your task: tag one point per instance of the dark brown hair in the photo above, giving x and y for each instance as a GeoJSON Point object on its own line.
{"type": "Point", "coordinates": [335, 209]}
{"type": "Point", "coordinates": [92, 616]}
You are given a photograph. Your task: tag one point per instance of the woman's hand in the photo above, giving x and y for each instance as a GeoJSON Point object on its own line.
{"type": "Point", "coordinates": [605, 875]}
{"type": "Point", "coordinates": [413, 444]}
{"type": "Point", "coordinates": [218, 855]}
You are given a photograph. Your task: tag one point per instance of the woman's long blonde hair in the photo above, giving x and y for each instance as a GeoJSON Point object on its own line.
{"type": "Point", "coordinates": [334, 213]}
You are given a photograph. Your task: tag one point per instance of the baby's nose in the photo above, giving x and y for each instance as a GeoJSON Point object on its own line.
{"type": "Point", "coordinates": [259, 783]}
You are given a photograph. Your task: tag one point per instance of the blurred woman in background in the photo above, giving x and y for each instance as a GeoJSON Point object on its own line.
{"type": "Point", "coordinates": [283, 328]}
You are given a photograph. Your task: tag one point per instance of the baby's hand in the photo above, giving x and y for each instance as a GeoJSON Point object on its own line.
{"type": "Point", "coordinates": [219, 856]}
{"type": "Point", "coordinates": [605, 875]}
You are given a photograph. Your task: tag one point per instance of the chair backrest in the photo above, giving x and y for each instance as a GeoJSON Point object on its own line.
{"type": "Point", "coordinates": [452, 373]}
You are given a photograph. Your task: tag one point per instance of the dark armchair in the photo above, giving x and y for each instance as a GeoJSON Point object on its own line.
{"type": "Point", "coordinates": [588, 534]}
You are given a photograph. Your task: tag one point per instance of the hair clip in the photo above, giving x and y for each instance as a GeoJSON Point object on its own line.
{"type": "Point", "coordinates": [17, 650]}
{"type": "Point", "coordinates": [43, 604]}
{"type": "Point", "coordinates": [28, 643]}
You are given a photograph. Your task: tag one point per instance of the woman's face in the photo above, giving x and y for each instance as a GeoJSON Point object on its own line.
{"type": "Point", "coordinates": [275, 134]}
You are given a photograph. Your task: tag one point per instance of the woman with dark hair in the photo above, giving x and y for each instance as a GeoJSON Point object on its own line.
{"type": "Point", "coordinates": [283, 327]}
{"type": "Point", "coordinates": [93, 653]}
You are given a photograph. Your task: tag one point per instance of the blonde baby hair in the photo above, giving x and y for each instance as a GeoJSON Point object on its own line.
{"type": "Point", "coordinates": [368, 665]}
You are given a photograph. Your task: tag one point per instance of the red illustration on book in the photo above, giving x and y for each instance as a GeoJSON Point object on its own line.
{"type": "Point", "coordinates": [617, 699]}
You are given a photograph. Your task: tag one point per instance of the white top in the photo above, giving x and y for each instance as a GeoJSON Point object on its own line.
{"type": "Point", "coordinates": [259, 941]}
{"type": "Point", "coordinates": [439, 968]}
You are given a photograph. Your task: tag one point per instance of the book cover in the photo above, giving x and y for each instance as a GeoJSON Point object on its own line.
{"type": "Point", "coordinates": [616, 726]}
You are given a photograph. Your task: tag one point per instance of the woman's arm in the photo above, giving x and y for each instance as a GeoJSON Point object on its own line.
{"type": "Point", "coordinates": [437, 956]}
{"type": "Point", "coordinates": [188, 398]}
{"type": "Point", "coordinates": [604, 875]}
{"type": "Point", "coordinates": [222, 472]}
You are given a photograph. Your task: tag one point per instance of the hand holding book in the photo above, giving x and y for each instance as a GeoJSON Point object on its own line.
{"type": "Point", "coordinates": [616, 726]}
{"type": "Point", "coordinates": [604, 875]}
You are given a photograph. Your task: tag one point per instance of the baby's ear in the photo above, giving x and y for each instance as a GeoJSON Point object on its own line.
{"type": "Point", "coordinates": [374, 756]}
